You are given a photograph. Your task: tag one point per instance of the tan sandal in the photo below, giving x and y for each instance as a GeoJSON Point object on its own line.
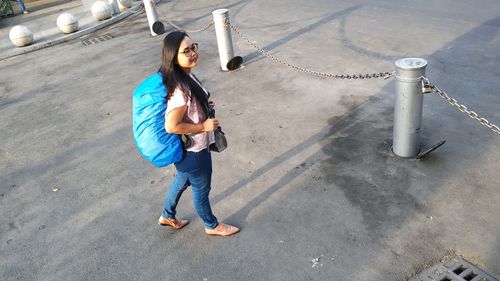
{"type": "Point", "coordinates": [172, 222]}
{"type": "Point", "coordinates": [222, 230]}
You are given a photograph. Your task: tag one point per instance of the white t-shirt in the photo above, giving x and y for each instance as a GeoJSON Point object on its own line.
{"type": "Point", "coordinates": [194, 115]}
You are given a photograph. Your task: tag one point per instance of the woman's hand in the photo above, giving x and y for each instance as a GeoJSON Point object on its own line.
{"type": "Point", "coordinates": [210, 125]}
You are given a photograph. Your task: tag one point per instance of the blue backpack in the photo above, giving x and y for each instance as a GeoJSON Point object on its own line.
{"type": "Point", "coordinates": [148, 123]}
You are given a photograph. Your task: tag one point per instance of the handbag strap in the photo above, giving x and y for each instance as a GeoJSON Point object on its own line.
{"type": "Point", "coordinates": [203, 99]}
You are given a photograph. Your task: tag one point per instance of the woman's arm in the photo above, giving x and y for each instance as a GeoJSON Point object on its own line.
{"type": "Point", "coordinates": [174, 123]}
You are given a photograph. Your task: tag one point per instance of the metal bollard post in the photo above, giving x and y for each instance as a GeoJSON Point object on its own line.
{"type": "Point", "coordinates": [115, 9]}
{"type": "Point", "coordinates": [155, 25]}
{"type": "Point", "coordinates": [408, 106]}
{"type": "Point", "coordinates": [224, 40]}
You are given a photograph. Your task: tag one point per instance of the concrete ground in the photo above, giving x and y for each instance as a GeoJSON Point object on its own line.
{"type": "Point", "coordinates": [42, 22]}
{"type": "Point", "coordinates": [308, 175]}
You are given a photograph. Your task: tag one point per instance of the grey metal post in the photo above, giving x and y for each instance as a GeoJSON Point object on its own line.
{"type": "Point", "coordinates": [115, 9]}
{"type": "Point", "coordinates": [224, 40]}
{"type": "Point", "coordinates": [408, 106]}
{"type": "Point", "coordinates": [155, 25]}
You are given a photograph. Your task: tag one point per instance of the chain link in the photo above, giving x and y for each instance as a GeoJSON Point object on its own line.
{"type": "Point", "coordinates": [385, 75]}
{"type": "Point", "coordinates": [190, 31]}
{"type": "Point", "coordinates": [463, 108]}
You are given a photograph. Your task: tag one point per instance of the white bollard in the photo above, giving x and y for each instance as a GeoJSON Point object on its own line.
{"type": "Point", "coordinates": [155, 25]}
{"type": "Point", "coordinates": [67, 23]}
{"type": "Point", "coordinates": [101, 10]}
{"type": "Point", "coordinates": [115, 8]}
{"type": "Point", "coordinates": [20, 36]}
{"type": "Point", "coordinates": [408, 106]}
{"type": "Point", "coordinates": [224, 40]}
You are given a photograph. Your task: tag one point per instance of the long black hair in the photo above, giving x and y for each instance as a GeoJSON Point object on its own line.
{"type": "Point", "coordinates": [172, 73]}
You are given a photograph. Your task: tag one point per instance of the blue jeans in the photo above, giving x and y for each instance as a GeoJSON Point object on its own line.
{"type": "Point", "coordinates": [195, 170]}
{"type": "Point", "coordinates": [21, 4]}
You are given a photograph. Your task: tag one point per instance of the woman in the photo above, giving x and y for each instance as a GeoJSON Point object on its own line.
{"type": "Point", "coordinates": [186, 114]}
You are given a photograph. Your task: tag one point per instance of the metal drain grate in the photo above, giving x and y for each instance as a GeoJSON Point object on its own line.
{"type": "Point", "coordinates": [457, 270]}
{"type": "Point", "coordinates": [96, 40]}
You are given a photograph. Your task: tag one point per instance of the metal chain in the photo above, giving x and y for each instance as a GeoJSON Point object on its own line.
{"type": "Point", "coordinates": [385, 75]}
{"type": "Point", "coordinates": [462, 107]}
{"type": "Point", "coordinates": [190, 31]}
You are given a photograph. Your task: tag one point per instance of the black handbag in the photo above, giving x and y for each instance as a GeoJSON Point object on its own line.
{"type": "Point", "coordinates": [220, 141]}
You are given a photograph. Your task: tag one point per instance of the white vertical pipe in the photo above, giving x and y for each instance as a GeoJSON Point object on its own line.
{"type": "Point", "coordinates": [115, 9]}
{"type": "Point", "coordinates": [224, 40]}
{"type": "Point", "coordinates": [408, 106]}
{"type": "Point", "coordinates": [152, 16]}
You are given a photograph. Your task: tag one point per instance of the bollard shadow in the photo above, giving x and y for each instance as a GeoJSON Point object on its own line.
{"type": "Point", "coordinates": [255, 56]}
{"type": "Point", "coordinates": [271, 165]}
{"type": "Point", "coordinates": [242, 214]}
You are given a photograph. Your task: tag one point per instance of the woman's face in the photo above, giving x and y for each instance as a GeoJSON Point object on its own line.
{"type": "Point", "coordinates": [187, 57]}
